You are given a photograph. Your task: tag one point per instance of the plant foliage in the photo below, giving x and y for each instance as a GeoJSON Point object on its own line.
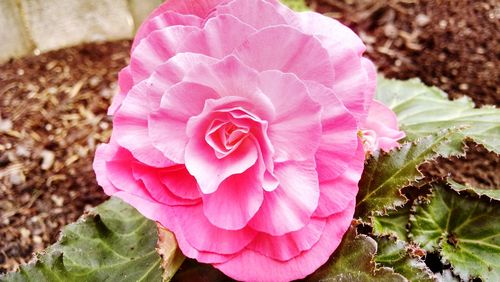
{"type": "Point", "coordinates": [112, 243]}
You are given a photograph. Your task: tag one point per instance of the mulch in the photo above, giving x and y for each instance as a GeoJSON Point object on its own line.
{"type": "Point", "coordinates": [53, 107]}
{"type": "Point", "coordinates": [52, 116]}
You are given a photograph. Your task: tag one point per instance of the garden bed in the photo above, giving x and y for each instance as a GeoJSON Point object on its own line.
{"type": "Point", "coordinates": [53, 107]}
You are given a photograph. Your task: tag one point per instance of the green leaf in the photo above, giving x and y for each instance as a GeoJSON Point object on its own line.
{"type": "Point", "coordinates": [493, 194]}
{"type": "Point", "coordinates": [396, 254]}
{"type": "Point", "coordinates": [465, 230]}
{"type": "Point", "coordinates": [354, 261]}
{"type": "Point", "coordinates": [394, 224]}
{"type": "Point", "coordinates": [113, 243]}
{"type": "Point", "coordinates": [423, 110]}
{"type": "Point", "coordinates": [386, 173]}
{"type": "Point", "coordinates": [297, 5]}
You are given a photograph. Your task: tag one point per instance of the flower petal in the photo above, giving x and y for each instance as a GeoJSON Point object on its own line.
{"type": "Point", "coordinates": [257, 13]}
{"type": "Point", "coordinates": [199, 8]}
{"type": "Point", "coordinates": [339, 137]}
{"type": "Point", "coordinates": [156, 49]}
{"type": "Point", "coordinates": [131, 128]}
{"type": "Point", "coordinates": [337, 193]}
{"type": "Point", "coordinates": [216, 39]}
{"type": "Point", "coordinates": [210, 171]}
{"type": "Point", "coordinates": [289, 207]}
{"type": "Point", "coordinates": [180, 182]}
{"type": "Point", "coordinates": [125, 83]}
{"type": "Point", "coordinates": [236, 200]}
{"type": "Point", "coordinates": [243, 266]}
{"type": "Point", "coordinates": [167, 125]}
{"type": "Point", "coordinates": [151, 178]}
{"type": "Point", "coordinates": [290, 245]}
{"type": "Point", "coordinates": [231, 78]}
{"type": "Point", "coordinates": [383, 122]}
{"type": "Point", "coordinates": [296, 129]}
{"type": "Point", "coordinates": [204, 236]}
{"type": "Point", "coordinates": [172, 72]}
{"type": "Point", "coordinates": [165, 19]}
{"type": "Point", "coordinates": [282, 48]}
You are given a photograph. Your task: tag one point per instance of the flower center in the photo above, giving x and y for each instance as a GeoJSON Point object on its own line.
{"type": "Point", "coordinates": [225, 136]}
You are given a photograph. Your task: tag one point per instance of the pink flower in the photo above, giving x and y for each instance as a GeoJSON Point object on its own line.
{"type": "Point", "coordinates": [236, 127]}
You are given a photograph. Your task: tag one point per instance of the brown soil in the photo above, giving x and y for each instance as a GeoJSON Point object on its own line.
{"type": "Point", "coordinates": [52, 115]}
{"type": "Point", "coordinates": [53, 106]}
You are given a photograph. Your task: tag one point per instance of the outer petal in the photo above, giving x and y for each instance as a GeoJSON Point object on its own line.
{"type": "Point", "coordinates": [236, 200]}
{"type": "Point", "coordinates": [104, 152]}
{"type": "Point", "coordinates": [337, 193]}
{"type": "Point", "coordinates": [151, 179]}
{"type": "Point", "coordinates": [296, 130]}
{"type": "Point", "coordinates": [167, 126]}
{"type": "Point", "coordinates": [180, 182]}
{"type": "Point", "coordinates": [131, 128]}
{"type": "Point", "coordinates": [383, 122]}
{"type": "Point", "coordinates": [125, 83]}
{"type": "Point", "coordinates": [354, 76]}
{"type": "Point", "coordinates": [201, 256]}
{"type": "Point", "coordinates": [165, 19]}
{"type": "Point", "coordinates": [199, 8]}
{"type": "Point", "coordinates": [331, 32]}
{"type": "Point", "coordinates": [290, 206]}
{"type": "Point", "coordinates": [218, 38]}
{"type": "Point", "coordinates": [339, 137]}
{"type": "Point", "coordinates": [243, 266]}
{"type": "Point", "coordinates": [204, 236]}
{"type": "Point", "coordinates": [156, 49]}
{"type": "Point", "coordinates": [257, 13]}
{"type": "Point", "coordinates": [283, 48]}
{"type": "Point", "coordinates": [290, 245]}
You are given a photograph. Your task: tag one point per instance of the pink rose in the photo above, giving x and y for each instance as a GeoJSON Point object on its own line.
{"type": "Point", "coordinates": [236, 128]}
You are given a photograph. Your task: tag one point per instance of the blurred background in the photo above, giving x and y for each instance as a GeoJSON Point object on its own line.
{"type": "Point", "coordinates": [59, 61]}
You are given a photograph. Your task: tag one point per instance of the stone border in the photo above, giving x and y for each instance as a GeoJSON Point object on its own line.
{"type": "Point", "coordinates": [28, 26]}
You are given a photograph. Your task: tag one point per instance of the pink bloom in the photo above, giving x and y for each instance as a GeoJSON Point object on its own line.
{"type": "Point", "coordinates": [380, 129]}
{"type": "Point", "coordinates": [236, 127]}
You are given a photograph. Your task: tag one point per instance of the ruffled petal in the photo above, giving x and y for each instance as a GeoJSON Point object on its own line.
{"type": "Point", "coordinates": [257, 13]}
{"type": "Point", "coordinates": [296, 129]}
{"type": "Point", "coordinates": [337, 193]}
{"type": "Point", "coordinates": [151, 179]}
{"type": "Point", "coordinates": [167, 125]}
{"type": "Point", "coordinates": [201, 256]}
{"type": "Point", "coordinates": [216, 39]}
{"type": "Point", "coordinates": [165, 19]}
{"type": "Point", "coordinates": [339, 138]}
{"type": "Point", "coordinates": [231, 78]}
{"type": "Point", "coordinates": [156, 49]}
{"type": "Point", "coordinates": [236, 200]}
{"type": "Point", "coordinates": [290, 245]}
{"type": "Point", "coordinates": [284, 48]}
{"type": "Point", "coordinates": [243, 266]}
{"type": "Point", "coordinates": [131, 128]}
{"type": "Point", "coordinates": [384, 124]}
{"type": "Point", "coordinates": [331, 32]}
{"type": "Point", "coordinates": [210, 171]}
{"type": "Point", "coordinates": [180, 182]}
{"type": "Point", "coordinates": [204, 236]}
{"type": "Point", "coordinates": [103, 153]}
{"type": "Point", "coordinates": [290, 206]}
{"type": "Point", "coordinates": [125, 83]}
{"type": "Point", "coordinates": [198, 8]}
{"type": "Point", "coordinates": [172, 72]}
